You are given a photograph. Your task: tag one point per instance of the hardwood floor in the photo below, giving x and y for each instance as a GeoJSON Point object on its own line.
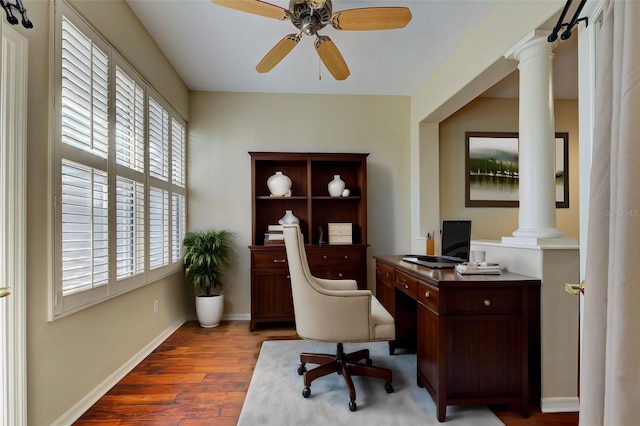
{"type": "Point", "coordinates": [201, 376]}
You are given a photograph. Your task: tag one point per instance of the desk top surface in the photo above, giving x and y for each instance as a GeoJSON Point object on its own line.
{"type": "Point", "coordinates": [442, 276]}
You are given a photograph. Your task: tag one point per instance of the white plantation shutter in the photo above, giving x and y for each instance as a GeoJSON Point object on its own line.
{"type": "Point", "coordinates": [177, 153]}
{"type": "Point", "coordinates": [158, 228]}
{"type": "Point", "coordinates": [85, 243]}
{"type": "Point", "coordinates": [129, 227]}
{"type": "Point", "coordinates": [158, 141]}
{"type": "Point", "coordinates": [130, 122]}
{"type": "Point", "coordinates": [178, 178]}
{"type": "Point", "coordinates": [119, 167]}
{"type": "Point", "coordinates": [178, 225]}
{"type": "Point", "coordinates": [84, 92]}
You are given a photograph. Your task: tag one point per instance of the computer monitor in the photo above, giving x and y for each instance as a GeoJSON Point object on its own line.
{"type": "Point", "coordinates": [456, 239]}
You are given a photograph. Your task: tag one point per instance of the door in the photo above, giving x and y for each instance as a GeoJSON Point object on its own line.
{"type": "Point", "coordinates": [13, 102]}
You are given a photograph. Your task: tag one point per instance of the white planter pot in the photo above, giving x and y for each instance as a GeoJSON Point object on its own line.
{"type": "Point", "coordinates": [209, 310]}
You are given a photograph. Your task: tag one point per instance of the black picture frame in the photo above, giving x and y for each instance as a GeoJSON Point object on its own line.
{"type": "Point", "coordinates": [491, 169]}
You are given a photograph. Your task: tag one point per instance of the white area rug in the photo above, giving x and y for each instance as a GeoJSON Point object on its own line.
{"type": "Point", "coordinates": [275, 393]}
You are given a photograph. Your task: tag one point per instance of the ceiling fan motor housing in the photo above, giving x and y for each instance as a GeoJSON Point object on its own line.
{"type": "Point", "coordinates": [308, 16]}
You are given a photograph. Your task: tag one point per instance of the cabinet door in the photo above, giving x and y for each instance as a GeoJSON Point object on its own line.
{"type": "Point", "coordinates": [428, 348]}
{"type": "Point", "coordinates": [487, 354]}
{"type": "Point", "coordinates": [384, 286]}
{"type": "Point", "coordinates": [271, 298]}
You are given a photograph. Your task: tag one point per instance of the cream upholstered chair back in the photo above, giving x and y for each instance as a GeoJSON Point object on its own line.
{"type": "Point", "coordinates": [325, 310]}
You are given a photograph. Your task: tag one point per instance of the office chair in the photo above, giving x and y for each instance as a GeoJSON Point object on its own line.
{"type": "Point", "coordinates": [335, 311]}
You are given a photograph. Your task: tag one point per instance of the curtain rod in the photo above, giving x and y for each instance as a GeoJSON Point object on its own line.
{"type": "Point", "coordinates": [568, 26]}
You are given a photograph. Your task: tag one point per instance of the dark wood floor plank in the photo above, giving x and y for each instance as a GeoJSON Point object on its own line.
{"type": "Point", "coordinates": [200, 377]}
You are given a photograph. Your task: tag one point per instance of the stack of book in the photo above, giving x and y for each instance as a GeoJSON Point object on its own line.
{"type": "Point", "coordinates": [478, 268]}
{"type": "Point", "coordinates": [274, 235]}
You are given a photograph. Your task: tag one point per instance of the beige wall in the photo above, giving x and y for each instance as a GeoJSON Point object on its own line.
{"type": "Point", "coordinates": [225, 126]}
{"type": "Point", "coordinates": [69, 357]}
{"type": "Point", "coordinates": [499, 115]}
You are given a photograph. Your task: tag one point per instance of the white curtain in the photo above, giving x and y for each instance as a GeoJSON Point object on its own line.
{"type": "Point", "coordinates": [610, 370]}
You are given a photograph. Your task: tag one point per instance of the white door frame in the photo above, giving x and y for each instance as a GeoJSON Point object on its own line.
{"type": "Point", "coordinates": [587, 41]}
{"type": "Point", "coordinates": [13, 141]}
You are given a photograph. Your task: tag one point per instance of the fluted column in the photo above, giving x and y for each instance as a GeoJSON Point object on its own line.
{"type": "Point", "coordinates": [537, 213]}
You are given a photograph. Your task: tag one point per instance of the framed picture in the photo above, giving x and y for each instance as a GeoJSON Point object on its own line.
{"type": "Point", "coordinates": [491, 169]}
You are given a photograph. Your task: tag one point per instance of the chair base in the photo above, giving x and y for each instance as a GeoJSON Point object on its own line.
{"type": "Point", "coordinates": [345, 364]}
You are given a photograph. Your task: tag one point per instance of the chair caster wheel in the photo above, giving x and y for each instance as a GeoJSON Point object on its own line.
{"type": "Point", "coordinates": [301, 369]}
{"type": "Point", "coordinates": [352, 406]}
{"type": "Point", "coordinates": [306, 392]}
{"type": "Point", "coordinates": [388, 387]}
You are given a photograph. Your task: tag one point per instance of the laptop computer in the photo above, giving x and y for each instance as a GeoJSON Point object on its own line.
{"type": "Point", "coordinates": [456, 241]}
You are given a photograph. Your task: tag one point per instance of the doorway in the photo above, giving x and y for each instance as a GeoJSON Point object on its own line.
{"type": "Point", "coordinates": [13, 137]}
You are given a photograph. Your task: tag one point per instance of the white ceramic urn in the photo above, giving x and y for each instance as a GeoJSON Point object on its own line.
{"type": "Point", "coordinates": [279, 185]}
{"type": "Point", "coordinates": [336, 186]}
{"type": "Point", "coordinates": [288, 218]}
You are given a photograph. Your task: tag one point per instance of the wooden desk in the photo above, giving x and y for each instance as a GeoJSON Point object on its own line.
{"type": "Point", "coordinates": [477, 337]}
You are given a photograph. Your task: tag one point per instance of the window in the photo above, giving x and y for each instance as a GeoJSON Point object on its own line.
{"type": "Point", "coordinates": [119, 164]}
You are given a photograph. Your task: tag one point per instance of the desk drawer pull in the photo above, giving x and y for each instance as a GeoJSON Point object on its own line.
{"type": "Point", "coordinates": [279, 260]}
{"type": "Point", "coordinates": [427, 294]}
{"type": "Point", "coordinates": [403, 283]}
{"type": "Point", "coordinates": [487, 302]}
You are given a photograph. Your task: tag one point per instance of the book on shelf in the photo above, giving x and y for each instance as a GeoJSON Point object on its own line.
{"type": "Point", "coordinates": [478, 269]}
{"type": "Point", "coordinates": [274, 235]}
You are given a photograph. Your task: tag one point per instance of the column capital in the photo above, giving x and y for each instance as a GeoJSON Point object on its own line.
{"type": "Point", "coordinates": [534, 38]}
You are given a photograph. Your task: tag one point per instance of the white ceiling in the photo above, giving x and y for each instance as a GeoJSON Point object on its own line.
{"type": "Point", "coordinates": [215, 48]}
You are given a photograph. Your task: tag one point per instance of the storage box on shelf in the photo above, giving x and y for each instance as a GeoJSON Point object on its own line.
{"type": "Point", "coordinates": [310, 201]}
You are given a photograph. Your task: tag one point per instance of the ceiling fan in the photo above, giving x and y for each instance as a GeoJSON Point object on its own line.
{"type": "Point", "coordinates": [310, 16]}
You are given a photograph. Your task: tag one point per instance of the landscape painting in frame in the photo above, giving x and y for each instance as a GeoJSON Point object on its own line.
{"type": "Point", "coordinates": [492, 176]}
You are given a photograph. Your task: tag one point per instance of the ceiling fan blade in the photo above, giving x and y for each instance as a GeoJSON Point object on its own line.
{"type": "Point", "coordinates": [371, 18]}
{"type": "Point", "coordinates": [256, 7]}
{"type": "Point", "coordinates": [278, 52]}
{"type": "Point", "coordinates": [332, 58]}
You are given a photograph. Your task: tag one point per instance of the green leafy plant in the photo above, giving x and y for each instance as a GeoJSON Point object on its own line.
{"type": "Point", "coordinates": [207, 254]}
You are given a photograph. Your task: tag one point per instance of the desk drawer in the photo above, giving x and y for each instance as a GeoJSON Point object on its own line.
{"type": "Point", "coordinates": [335, 257]}
{"type": "Point", "coordinates": [385, 273]}
{"type": "Point", "coordinates": [406, 284]}
{"type": "Point", "coordinates": [269, 260]}
{"type": "Point", "coordinates": [428, 296]}
{"type": "Point", "coordinates": [484, 301]}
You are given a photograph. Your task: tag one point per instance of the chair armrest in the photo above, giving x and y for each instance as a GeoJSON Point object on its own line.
{"type": "Point", "coordinates": [337, 284]}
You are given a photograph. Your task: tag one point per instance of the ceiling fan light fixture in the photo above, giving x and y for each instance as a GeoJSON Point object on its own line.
{"type": "Point", "coordinates": [311, 16]}
{"type": "Point", "coordinates": [309, 25]}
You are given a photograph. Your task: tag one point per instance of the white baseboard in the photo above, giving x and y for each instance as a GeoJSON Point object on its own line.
{"type": "Point", "coordinates": [560, 405]}
{"type": "Point", "coordinates": [236, 317]}
{"type": "Point", "coordinates": [92, 397]}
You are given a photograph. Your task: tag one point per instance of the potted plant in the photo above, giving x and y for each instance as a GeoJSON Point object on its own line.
{"type": "Point", "coordinates": [207, 254]}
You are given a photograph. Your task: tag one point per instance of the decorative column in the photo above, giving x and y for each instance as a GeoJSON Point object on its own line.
{"type": "Point", "coordinates": [537, 212]}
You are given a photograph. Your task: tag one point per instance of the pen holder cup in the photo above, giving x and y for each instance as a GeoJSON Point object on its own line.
{"type": "Point", "coordinates": [431, 247]}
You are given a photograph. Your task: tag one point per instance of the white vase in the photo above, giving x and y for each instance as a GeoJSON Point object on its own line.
{"type": "Point", "coordinates": [279, 185]}
{"type": "Point", "coordinates": [209, 310]}
{"type": "Point", "coordinates": [336, 186]}
{"type": "Point", "coordinates": [288, 218]}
